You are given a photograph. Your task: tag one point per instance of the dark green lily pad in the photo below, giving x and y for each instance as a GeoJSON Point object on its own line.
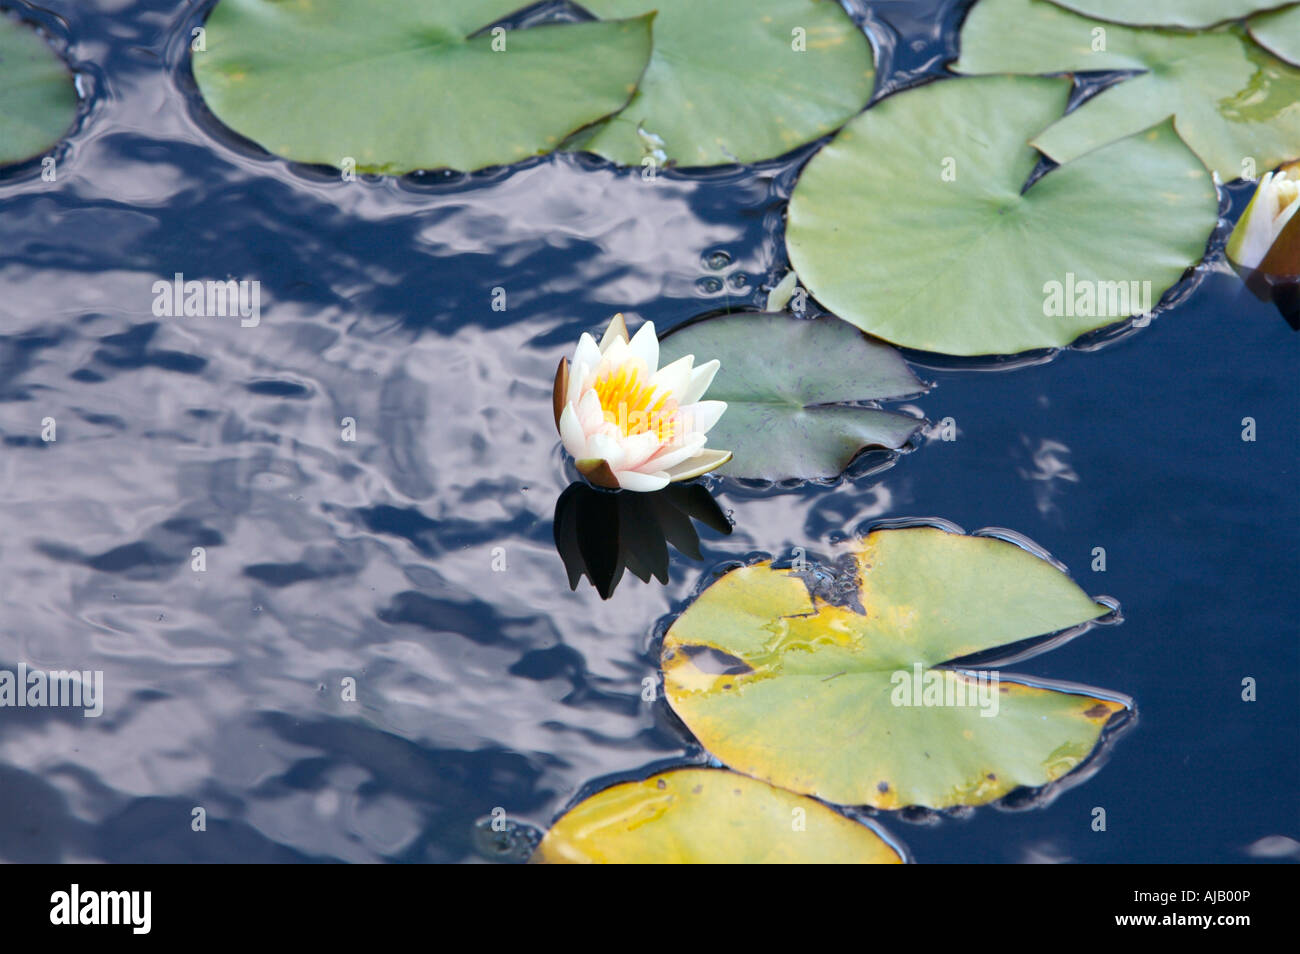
{"type": "Point", "coordinates": [404, 84]}
{"type": "Point", "coordinates": [38, 101]}
{"type": "Point", "coordinates": [794, 389]}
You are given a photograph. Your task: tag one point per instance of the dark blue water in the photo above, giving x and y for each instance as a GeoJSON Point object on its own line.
{"type": "Point", "coordinates": [373, 560]}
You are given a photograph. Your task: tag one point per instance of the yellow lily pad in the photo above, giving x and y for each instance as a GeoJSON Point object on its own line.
{"type": "Point", "coordinates": [708, 816]}
{"type": "Point", "coordinates": [850, 700]}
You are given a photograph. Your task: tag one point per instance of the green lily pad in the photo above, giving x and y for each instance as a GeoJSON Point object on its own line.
{"type": "Point", "coordinates": [404, 84]}
{"type": "Point", "coordinates": [792, 389]}
{"type": "Point", "coordinates": [706, 816]}
{"type": "Point", "coordinates": [38, 101]}
{"type": "Point", "coordinates": [726, 82]}
{"type": "Point", "coordinates": [1186, 14]}
{"type": "Point", "coordinates": [912, 225]}
{"type": "Point", "coordinates": [1278, 32]}
{"type": "Point", "coordinates": [1232, 101]}
{"type": "Point", "coordinates": [808, 695]}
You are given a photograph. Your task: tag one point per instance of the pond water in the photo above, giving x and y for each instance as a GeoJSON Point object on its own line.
{"type": "Point", "coordinates": [419, 560]}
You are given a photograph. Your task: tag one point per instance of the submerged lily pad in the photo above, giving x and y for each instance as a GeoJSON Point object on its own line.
{"type": "Point", "coordinates": [1187, 14]}
{"type": "Point", "coordinates": [1278, 32]}
{"type": "Point", "coordinates": [793, 389]}
{"type": "Point", "coordinates": [406, 84]}
{"type": "Point", "coordinates": [737, 80]}
{"type": "Point", "coordinates": [912, 223]}
{"type": "Point", "coordinates": [819, 697]}
{"type": "Point", "coordinates": [37, 99]}
{"type": "Point", "coordinates": [706, 816]}
{"type": "Point", "coordinates": [1233, 102]}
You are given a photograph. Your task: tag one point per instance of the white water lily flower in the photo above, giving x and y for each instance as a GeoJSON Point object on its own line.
{"type": "Point", "coordinates": [628, 422]}
{"type": "Point", "coordinates": [1274, 205]}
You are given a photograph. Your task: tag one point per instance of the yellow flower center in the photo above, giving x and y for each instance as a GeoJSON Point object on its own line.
{"type": "Point", "coordinates": [633, 406]}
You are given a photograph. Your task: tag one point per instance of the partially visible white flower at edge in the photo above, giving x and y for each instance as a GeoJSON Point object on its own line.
{"type": "Point", "coordinates": [1274, 204]}
{"type": "Point", "coordinates": [629, 423]}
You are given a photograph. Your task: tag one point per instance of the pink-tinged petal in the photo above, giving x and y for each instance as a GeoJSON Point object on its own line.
{"type": "Point", "coordinates": [701, 378]}
{"type": "Point", "coordinates": [578, 375]}
{"type": "Point", "coordinates": [607, 448]}
{"type": "Point", "coordinates": [640, 448]}
{"type": "Point", "coordinates": [674, 378]}
{"type": "Point", "coordinates": [572, 435]}
{"type": "Point", "coordinates": [645, 346]}
{"type": "Point", "coordinates": [590, 414]}
{"type": "Point", "coordinates": [616, 331]}
{"type": "Point", "coordinates": [700, 417]}
{"type": "Point", "coordinates": [701, 463]}
{"type": "Point", "coordinates": [641, 483]}
{"type": "Point", "coordinates": [672, 456]}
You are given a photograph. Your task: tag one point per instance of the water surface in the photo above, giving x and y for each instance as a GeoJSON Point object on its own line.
{"type": "Point", "coordinates": [482, 688]}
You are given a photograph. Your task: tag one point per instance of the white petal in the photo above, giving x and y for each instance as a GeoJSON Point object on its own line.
{"type": "Point", "coordinates": [645, 346]}
{"type": "Point", "coordinates": [700, 417]}
{"type": "Point", "coordinates": [571, 434]}
{"type": "Point", "coordinates": [701, 378]}
{"type": "Point", "coordinates": [639, 448]}
{"type": "Point", "coordinates": [616, 331]}
{"type": "Point", "coordinates": [1259, 234]}
{"type": "Point", "coordinates": [675, 455]}
{"type": "Point", "coordinates": [674, 378]}
{"type": "Point", "coordinates": [587, 352]}
{"type": "Point", "coordinates": [701, 463]}
{"type": "Point", "coordinates": [642, 483]}
{"type": "Point", "coordinates": [618, 353]}
{"type": "Point", "coordinates": [607, 448]}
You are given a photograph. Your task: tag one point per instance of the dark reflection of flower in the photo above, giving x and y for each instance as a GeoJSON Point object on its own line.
{"type": "Point", "coordinates": [599, 533]}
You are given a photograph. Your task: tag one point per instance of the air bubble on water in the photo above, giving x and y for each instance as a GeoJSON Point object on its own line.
{"type": "Point", "coordinates": [717, 260]}
{"type": "Point", "coordinates": [710, 286]}
{"type": "Point", "coordinates": [515, 843]}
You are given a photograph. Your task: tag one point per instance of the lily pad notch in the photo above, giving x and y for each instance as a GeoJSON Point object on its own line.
{"type": "Point", "coordinates": [855, 693]}
{"type": "Point", "coordinates": [1123, 222]}
{"type": "Point", "coordinates": [441, 84]}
